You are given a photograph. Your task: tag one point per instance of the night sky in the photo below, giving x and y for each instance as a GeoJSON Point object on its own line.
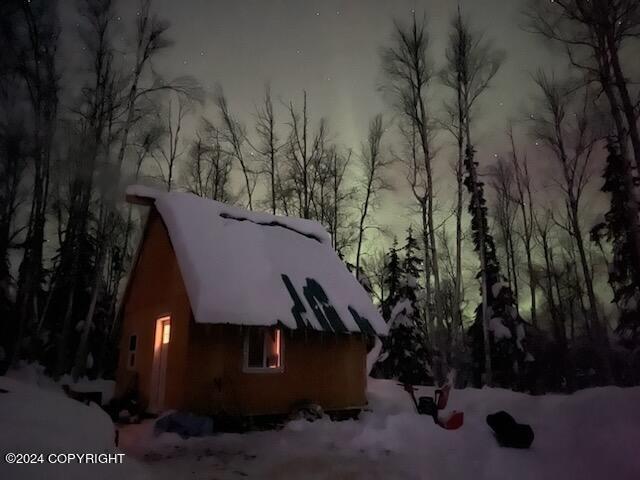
{"type": "Point", "coordinates": [331, 49]}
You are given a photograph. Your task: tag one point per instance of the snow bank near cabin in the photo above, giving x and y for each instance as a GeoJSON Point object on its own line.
{"type": "Point", "coordinates": [34, 374]}
{"type": "Point", "coordinates": [36, 420]}
{"type": "Point", "coordinates": [232, 261]}
{"type": "Point", "coordinates": [593, 434]}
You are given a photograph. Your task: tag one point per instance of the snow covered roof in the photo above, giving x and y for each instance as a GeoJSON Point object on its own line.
{"type": "Point", "coordinates": [249, 268]}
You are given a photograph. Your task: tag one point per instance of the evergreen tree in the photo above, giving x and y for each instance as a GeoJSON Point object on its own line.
{"type": "Point", "coordinates": [361, 275]}
{"type": "Point", "coordinates": [392, 279]}
{"type": "Point", "coordinates": [405, 354]}
{"type": "Point", "coordinates": [623, 277]}
{"type": "Point", "coordinates": [506, 329]}
{"type": "Point", "coordinates": [411, 265]}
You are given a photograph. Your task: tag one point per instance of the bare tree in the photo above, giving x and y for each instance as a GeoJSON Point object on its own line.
{"type": "Point", "coordinates": [472, 62]}
{"type": "Point", "coordinates": [570, 139]}
{"type": "Point", "coordinates": [95, 113]}
{"type": "Point", "coordinates": [374, 164]}
{"type": "Point", "coordinates": [13, 164]}
{"type": "Point", "coordinates": [544, 227]}
{"type": "Point", "coordinates": [234, 135]}
{"type": "Point", "coordinates": [505, 210]}
{"type": "Point", "coordinates": [121, 252]}
{"type": "Point", "coordinates": [170, 151]}
{"type": "Point", "coordinates": [453, 326]}
{"type": "Point", "coordinates": [33, 47]}
{"type": "Point", "coordinates": [341, 225]}
{"type": "Point", "coordinates": [594, 34]}
{"type": "Point", "coordinates": [321, 194]}
{"type": "Point", "coordinates": [375, 266]}
{"type": "Point", "coordinates": [146, 142]}
{"type": "Point", "coordinates": [196, 174]}
{"type": "Point", "coordinates": [150, 39]}
{"type": "Point", "coordinates": [12, 171]}
{"type": "Point", "coordinates": [408, 75]}
{"type": "Point", "coordinates": [304, 152]}
{"type": "Point", "coordinates": [207, 172]}
{"type": "Point", "coordinates": [524, 200]}
{"type": "Point", "coordinates": [416, 178]}
{"type": "Point", "coordinates": [269, 145]}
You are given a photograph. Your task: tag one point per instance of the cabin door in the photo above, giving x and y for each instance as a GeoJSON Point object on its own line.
{"type": "Point", "coordinates": [160, 355]}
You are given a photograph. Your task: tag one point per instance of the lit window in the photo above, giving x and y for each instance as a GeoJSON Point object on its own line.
{"type": "Point", "coordinates": [166, 332]}
{"type": "Point", "coordinates": [263, 349]}
{"type": "Point", "coordinates": [133, 343]}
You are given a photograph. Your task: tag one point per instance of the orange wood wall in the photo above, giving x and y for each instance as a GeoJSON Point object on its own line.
{"type": "Point", "coordinates": [323, 368]}
{"type": "Point", "coordinates": [155, 290]}
{"type": "Point", "coordinates": [204, 367]}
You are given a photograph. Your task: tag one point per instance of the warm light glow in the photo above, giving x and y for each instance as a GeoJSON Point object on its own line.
{"type": "Point", "coordinates": [277, 362]}
{"type": "Point", "coordinates": [263, 349]}
{"type": "Point", "coordinates": [272, 348]}
{"type": "Point", "coordinates": [166, 332]}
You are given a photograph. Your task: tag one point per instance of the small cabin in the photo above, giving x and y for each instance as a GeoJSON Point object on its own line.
{"type": "Point", "coordinates": [232, 312]}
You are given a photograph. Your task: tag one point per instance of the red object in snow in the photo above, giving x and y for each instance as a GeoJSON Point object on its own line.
{"type": "Point", "coordinates": [453, 421]}
{"type": "Point", "coordinates": [431, 406]}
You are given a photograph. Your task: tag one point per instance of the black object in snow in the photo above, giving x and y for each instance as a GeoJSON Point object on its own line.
{"type": "Point", "coordinates": [508, 432]}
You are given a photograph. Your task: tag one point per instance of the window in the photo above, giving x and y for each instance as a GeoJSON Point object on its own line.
{"type": "Point", "coordinates": [133, 343]}
{"type": "Point", "coordinates": [263, 350]}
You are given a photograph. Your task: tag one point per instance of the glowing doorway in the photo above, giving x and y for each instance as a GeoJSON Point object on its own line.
{"type": "Point", "coordinates": [161, 344]}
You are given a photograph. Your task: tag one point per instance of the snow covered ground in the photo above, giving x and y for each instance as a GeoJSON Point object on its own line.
{"type": "Point", "coordinates": [34, 374]}
{"type": "Point", "coordinates": [45, 421]}
{"type": "Point", "coordinates": [593, 434]}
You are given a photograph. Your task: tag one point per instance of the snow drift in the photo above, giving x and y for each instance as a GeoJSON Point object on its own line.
{"type": "Point", "coordinates": [593, 434]}
{"type": "Point", "coordinates": [35, 420]}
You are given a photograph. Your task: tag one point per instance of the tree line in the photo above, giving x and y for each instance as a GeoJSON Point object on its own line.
{"type": "Point", "coordinates": [452, 293]}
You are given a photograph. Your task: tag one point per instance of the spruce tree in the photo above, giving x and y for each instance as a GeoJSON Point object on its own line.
{"type": "Point", "coordinates": [392, 279]}
{"type": "Point", "coordinates": [623, 276]}
{"type": "Point", "coordinates": [405, 353]}
{"type": "Point", "coordinates": [411, 264]}
{"type": "Point", "coordinates": [505, 328]}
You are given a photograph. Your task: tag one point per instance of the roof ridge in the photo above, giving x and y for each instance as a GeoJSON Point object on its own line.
{"type": "Point", "coordinates": [273, 223]}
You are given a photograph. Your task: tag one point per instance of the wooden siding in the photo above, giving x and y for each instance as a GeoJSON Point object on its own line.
{"type": "Point", "coordinates": [323, 368]}
{"type": "Point", "coordinates": [155, 289]}
{"type": "Point", "coordinates": [204, 367]}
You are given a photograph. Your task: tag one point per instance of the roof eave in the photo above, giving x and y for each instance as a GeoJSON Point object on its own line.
{"type": "Point", "coordinates": [140, 200]}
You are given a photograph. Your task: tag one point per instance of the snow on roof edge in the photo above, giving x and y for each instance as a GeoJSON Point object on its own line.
{"type": "Point", "coordinates": [308, 228]}
{"type": "Point", "coordinates": [196, 268]}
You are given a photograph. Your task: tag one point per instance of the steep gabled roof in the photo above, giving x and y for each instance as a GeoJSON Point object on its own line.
{"type": "Point", "coordinates": [251, 268]}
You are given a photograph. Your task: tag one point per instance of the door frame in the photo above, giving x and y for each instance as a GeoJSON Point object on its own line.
{"type": "Point", "coordinates": [161, 342]}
